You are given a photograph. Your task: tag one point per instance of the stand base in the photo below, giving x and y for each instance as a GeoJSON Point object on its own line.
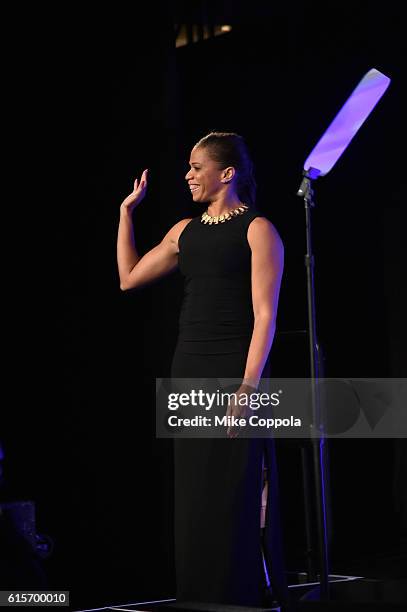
{"type": "Point", "coordinates": [348, 593]}
{"type": "Point", "coordinates": [302, 590]}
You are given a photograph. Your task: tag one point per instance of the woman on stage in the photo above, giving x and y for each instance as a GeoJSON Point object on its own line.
{"type": "Point", "coordinates": [232, 259]}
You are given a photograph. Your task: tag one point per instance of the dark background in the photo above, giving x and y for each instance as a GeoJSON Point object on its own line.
{"type": "Point", "coordinates": [95, 105]}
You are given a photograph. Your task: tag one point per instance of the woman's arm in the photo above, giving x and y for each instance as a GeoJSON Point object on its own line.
{"type": "Point", "coordinates": [135, 271]}
{"type": "Point", "coordinates": [267, 270]}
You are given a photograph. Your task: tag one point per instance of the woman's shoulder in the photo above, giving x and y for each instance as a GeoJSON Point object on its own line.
{"type": "Point", "coordinates": [261, 229]}
{"type": "Point", "coordinates": [184, 222]}
{"type": "Point", "coordinates": [179, 228]}
{"type": "Point", "coordinates": [181, 225]}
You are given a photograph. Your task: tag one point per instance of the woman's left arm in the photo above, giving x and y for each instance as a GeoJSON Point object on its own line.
{"type": "Point", "coordinates": [267, 270]}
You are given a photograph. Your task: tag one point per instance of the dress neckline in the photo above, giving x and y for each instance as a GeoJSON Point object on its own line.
{"type": "Point", "coordinates": [235, 212]}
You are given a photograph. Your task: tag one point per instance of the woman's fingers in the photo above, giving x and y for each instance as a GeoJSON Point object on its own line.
{"type": "Point", "coordinates": [143, 181]}
{"type": "Point", "coordinates": [231, 431]}
{"type": "Point", "coordinates": [138, 193]}
{"type": "Point", "coordinates": [228, 409]}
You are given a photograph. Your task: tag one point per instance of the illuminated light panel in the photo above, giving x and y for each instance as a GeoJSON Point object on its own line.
{"type": "Point", "coordinates": [352, 115]}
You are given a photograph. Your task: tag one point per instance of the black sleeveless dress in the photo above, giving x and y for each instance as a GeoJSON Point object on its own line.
{"type": "Point", "coordinates": [218, 482]}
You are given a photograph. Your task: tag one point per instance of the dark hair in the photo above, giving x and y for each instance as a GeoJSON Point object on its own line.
{"type": "Point", "coordinates": [230, 149]}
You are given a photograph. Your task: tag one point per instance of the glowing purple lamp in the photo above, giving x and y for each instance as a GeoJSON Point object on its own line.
{"type": "Point", "coordinates": [329, 148]}
{"type": "Point", "coordinates": [352, 115]}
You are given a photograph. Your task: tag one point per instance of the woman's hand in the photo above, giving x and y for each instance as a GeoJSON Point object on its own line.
{"type": "Point", "coordinates": [239, 409]}
{"type": "Point", "coordinates": [137, 195]}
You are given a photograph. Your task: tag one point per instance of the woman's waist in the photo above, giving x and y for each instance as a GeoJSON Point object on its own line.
{"type": "Point", "coordinates": [221, 317]}
{"type": "Point", "coordinates": [212, 340]}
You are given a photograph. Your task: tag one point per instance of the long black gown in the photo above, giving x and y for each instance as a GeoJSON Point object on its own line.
{"type": "Point", "coordinates": [218, 482]}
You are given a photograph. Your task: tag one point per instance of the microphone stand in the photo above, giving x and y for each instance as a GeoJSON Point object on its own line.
{"type": "Point", "coordinates": [317, 438]}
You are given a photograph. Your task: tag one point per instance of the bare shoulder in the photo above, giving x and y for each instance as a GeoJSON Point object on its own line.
{"type": "Point", "coordinates": [262, 232]}
{"type": "Point", "coordinates": [176, 230]}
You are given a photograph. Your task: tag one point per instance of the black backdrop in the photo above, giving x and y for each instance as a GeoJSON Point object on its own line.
{"type": "Point", "coordinates": [78, 432]}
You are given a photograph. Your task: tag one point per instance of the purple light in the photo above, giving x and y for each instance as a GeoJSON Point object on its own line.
{"type": "Point", "coordinates": [352, 115]}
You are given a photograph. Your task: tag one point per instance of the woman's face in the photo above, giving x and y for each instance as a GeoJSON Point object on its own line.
{"type": "Point", "coordinates": [204, 176]}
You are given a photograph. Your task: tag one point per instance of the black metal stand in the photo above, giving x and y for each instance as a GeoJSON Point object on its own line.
{"type": "Point", "coordinates": [317, 439]}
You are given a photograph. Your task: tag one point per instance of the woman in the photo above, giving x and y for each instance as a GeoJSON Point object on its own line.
{"type": "Point", "coordinates": [232, 260]}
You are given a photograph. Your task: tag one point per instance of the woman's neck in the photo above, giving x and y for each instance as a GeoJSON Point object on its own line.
{"type": "Point", "coordinates": [221, 207]}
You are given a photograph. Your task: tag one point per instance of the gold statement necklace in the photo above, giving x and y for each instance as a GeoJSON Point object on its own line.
{"type": "Point", "coordinates": [239, 210]}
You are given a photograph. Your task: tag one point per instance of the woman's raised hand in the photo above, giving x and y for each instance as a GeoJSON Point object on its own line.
{"type": "Point", "coordinates": [137, 195]}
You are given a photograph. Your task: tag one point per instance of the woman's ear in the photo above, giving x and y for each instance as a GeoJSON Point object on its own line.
{"type": "Point", "coordinates": [228, 174]}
